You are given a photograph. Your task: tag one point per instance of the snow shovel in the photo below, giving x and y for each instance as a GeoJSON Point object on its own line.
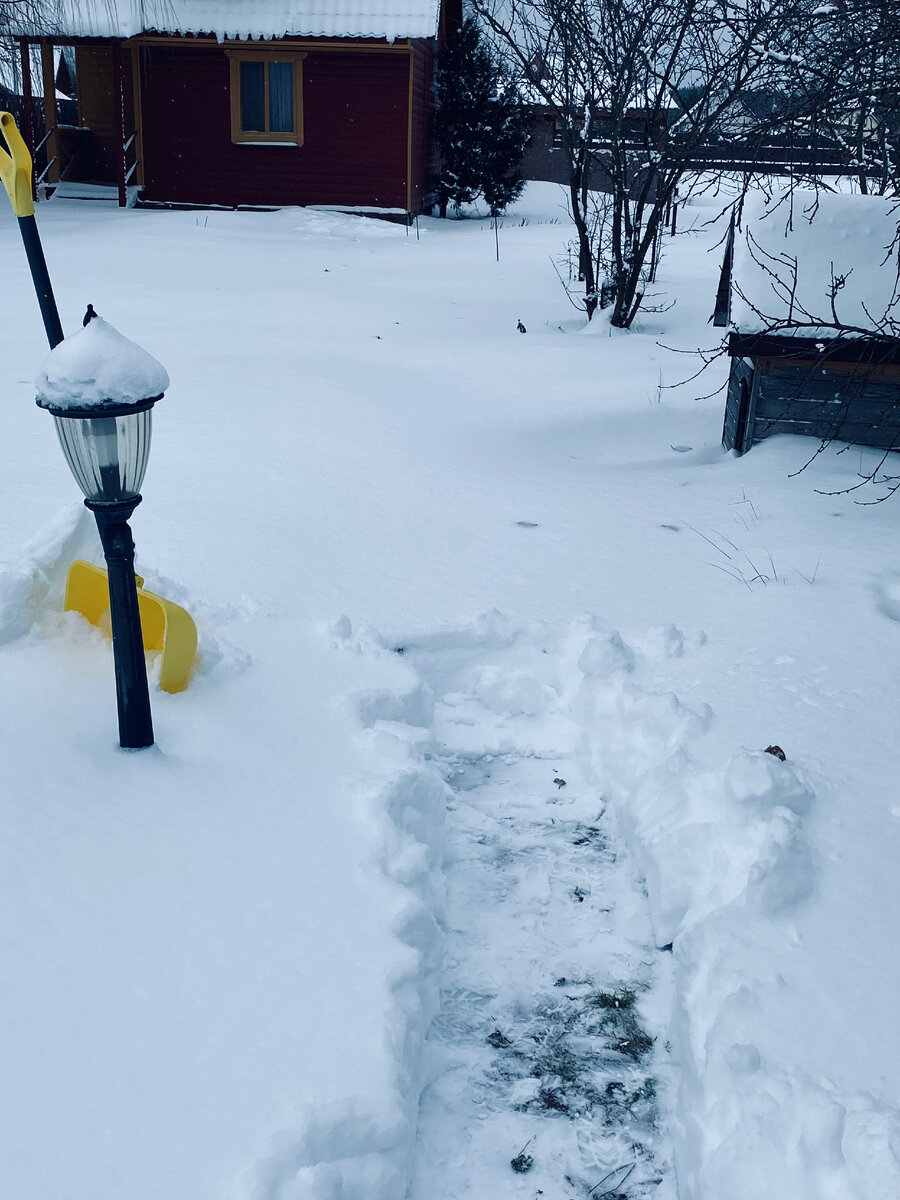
{"type": "Point", "coordinates": [164, 626]}
{"type": "Point", "coordinates": [15, 170]}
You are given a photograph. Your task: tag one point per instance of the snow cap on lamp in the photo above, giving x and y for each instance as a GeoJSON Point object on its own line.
{"type": "Point", "coordinates": [100, 388]}
{"type": "Point", "coordinates": [99, 369]}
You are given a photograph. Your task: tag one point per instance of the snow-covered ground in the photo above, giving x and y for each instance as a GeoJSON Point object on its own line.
{"type": "Point", "coordinates": [439, 566]}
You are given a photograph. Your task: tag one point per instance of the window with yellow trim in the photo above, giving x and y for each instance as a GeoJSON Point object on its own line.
{"type": "Point", "coordinates": [266, 97]}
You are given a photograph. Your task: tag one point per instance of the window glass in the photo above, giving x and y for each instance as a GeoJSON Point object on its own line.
{"type": "Point", "coordinates": [281, 97]}
{"type": "Point", "coordinates": [253, 102]}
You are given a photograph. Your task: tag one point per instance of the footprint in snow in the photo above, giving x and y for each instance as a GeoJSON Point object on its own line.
{"type": "Point", "coordinates": [888, 597]}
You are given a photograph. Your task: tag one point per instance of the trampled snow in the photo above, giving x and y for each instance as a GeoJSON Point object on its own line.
{"type": "Point", "coordinates": [97, 366]}
{"type": "Point", "coordinates": [495, 866]}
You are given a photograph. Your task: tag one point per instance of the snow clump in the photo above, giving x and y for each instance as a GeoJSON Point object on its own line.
{"type": "Point", "coordinates": [97, 365]}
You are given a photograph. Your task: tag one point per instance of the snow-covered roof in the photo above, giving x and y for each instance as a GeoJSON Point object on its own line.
{"type": "Point", "coordinates": [794, 251]}
{"type": "Point", "coordinates": [246, 18]}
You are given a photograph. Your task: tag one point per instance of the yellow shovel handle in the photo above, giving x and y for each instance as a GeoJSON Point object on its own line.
{"type": "Point", "coordinates": [15, 167]}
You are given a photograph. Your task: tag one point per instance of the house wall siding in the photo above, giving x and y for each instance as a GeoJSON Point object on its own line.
{"type": "Point", "coordinates": [356, 120]}
{"type": "Point", "coordinates": [421, 167]}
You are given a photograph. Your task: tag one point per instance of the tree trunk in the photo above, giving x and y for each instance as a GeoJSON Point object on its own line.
{"type": "Point", "coordinates": [585, 258]}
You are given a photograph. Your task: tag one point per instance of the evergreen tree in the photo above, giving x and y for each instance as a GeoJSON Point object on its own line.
{"type": "Point", "coordinates": [481, 125]}
{"type": "Point", "coordinates": [509, 128]}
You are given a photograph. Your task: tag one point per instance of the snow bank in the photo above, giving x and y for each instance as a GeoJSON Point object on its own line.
{"type": "Point", "coordinates": [791, 249]}
{"type": "Point", "coordinates": [351, 1150]}
{"type": "Point", "coordinates": [36, 579]}
{"type": "Point", "coordinates": [227, 946]}
{"type": "Point", "coordinates": [726, 864]}
{"type": "Point", "coordinates": [98, 366]}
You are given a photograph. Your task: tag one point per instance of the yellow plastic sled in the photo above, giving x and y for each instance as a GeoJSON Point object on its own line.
{"type": "Point", "coordinates": [165, 625]}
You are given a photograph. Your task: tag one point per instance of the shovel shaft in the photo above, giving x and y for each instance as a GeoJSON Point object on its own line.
{"type": "Point", "coordinates": [36, 261]}
{"type": "Point", "coordinates": [18, 179]}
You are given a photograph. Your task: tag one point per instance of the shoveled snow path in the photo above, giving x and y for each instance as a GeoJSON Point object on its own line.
{"type": "Point", "coordinates": [542, 1049]}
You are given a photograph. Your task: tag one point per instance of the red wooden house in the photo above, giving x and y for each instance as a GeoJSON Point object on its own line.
{"type": "Point", "coordinates": [247, 102]}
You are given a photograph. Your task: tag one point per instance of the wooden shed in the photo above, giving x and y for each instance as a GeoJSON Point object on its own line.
{"type": "Point", "coordinates": [809, 288]}
{"type": "Point", "coordinates": [248, 102]}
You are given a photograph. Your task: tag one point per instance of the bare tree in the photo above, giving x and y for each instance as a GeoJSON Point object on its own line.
{"type": "Point", "coordinates": [851, 74]}
{"type": "Point", "coordinates": [637, 89]}
{"type": "Point", "coordinates": [41, 18]}
{"type": "Point", "coordinates": [13, 15]}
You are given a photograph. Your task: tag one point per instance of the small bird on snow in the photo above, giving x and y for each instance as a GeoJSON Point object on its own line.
{"type": "Point", "coordinates": [89, 315]}
{"type": "Point", "coordinates": [521, 328]}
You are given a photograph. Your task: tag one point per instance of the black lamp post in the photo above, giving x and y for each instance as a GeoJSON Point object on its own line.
{"type": "Point", "coordinates": [106, 444]}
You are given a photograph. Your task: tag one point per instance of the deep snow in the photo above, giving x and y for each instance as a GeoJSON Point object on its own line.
{"type": "Point", "coordinates": [221, 956]}
{"type": "Point", "coordinates": [795, 251]}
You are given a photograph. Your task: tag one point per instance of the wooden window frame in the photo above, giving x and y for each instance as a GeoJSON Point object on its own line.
{"type": "Point", "coordinates": [257, 136]}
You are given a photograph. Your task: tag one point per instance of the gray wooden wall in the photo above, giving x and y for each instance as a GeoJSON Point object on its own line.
{"type": "Point", "coordinates": [851, 402]}
{"type": "Point", "coordinates": [741, 371]}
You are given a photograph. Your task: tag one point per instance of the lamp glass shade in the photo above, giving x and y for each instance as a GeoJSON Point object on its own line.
{"type": "Point", "coordinates": [107, 455]}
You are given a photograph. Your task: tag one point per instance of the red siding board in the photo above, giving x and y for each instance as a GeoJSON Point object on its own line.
{"type": "Point", "coordinates": [355, 133]}
{"type": "Point", "coordinates": [421, 112]}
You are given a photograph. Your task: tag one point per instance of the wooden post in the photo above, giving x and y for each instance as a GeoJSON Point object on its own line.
{"type": "Point", "coordinates": [119, 130]}
{"type": "Point", "coordinates": [28, 102]}
{"type": "Point", "coordinates": [50, 119]}
{"type": "Point", "coordinates": [138, 124]}
{"type": "Point", "coordinates": [409, 131]}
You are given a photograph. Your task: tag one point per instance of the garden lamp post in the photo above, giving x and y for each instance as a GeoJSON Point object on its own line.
{"type": "Point", "coordinates": [97, 385]}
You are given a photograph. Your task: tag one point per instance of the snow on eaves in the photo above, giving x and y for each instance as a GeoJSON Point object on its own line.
{"type": "Point", "coordinates": [244, 18]}
{"type": "Point", "coordinates": [793, 251]}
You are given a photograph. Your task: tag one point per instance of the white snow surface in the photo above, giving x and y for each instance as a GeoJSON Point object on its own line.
{"type": "Point", "coordinates": [223, 19]}
{"type": "Point", "coordinates": [97, 365]}
{"type": "Point", "coordinates": [794, 249]}
{"type": "Point", "coordinates": [494, 638]}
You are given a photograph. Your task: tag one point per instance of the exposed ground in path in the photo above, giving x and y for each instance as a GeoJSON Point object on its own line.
{"type": "Point", "coordinates": [544, 1059]}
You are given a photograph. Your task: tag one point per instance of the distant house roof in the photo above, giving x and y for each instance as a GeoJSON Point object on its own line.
{"type": "Point", "coordinates": [793, 251]}
{"type": "Point", "coordinates": [244, 18]}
